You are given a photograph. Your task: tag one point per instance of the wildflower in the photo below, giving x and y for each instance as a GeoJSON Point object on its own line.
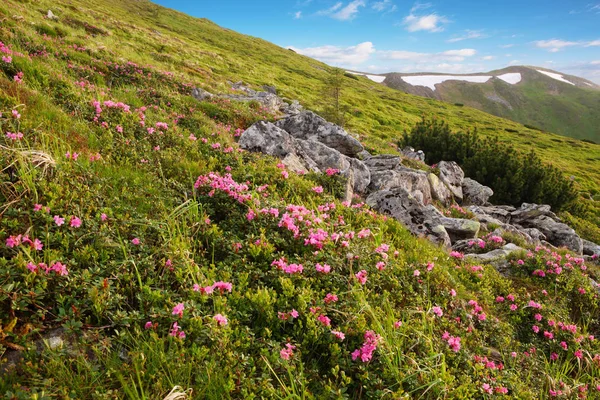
{"type": "Point", "coordinates": [416, 272]}
{"type": "Point", "coordinates": [135, 241]}
{"type": "Point", "coordinates": [284, 174]}
{"type": "Point", "coordinates": [535, 328]}
{"type": "Point", "coordinates": [578, 354]}
{"type": "Point", "coordinates": [364, 233]}
{"type": "Point", "coordinates": [430, 266]}
{"type": "Point", "coordinates": [324, 320]}
{"type": "Point", "coordinates": [287, 352]}
{"type": "Point", "coordinates": [437, 311]}
{"type": "Point", "coordinates": [251, 215]}
{"type": "Point", "coordinates": [538, 317]}
{"type": "Point", "coordinates": [32, 267]}
{"type": "Point", "coordinates": [380, 265]}
{"type": "Point", "coordinates": [452, 292]}
{"type": "Point", "coordinates": [18, 78]}
{"type": "Point", "coordinates": [553, 356]}
{"type": "Point", "coordinates": [75, 222]}
{"type": "Point", "coordinates": [330, 298]}
{"type": "Point", "coordinates": [103, 217]}
{"type": "Point", "coordinates": [178, 309]}
{"type": "Point", "coordinates": [294, 313]}
{"type": "Point", "coordinates": [397, 324]}
{"type": "Point", "coordinates": [176, 331]}
{"type": "Point", "coordinates": [513, 307]}
{"type": "Point", "coordinates": [221, 319]}
{"type": "Point", "coordinates": [58, 220]}
{"type": "Point", "coordinates": [338, 334]}
{"type": "Point", "coordinates": [148, 325]}
{"type": "Point", "coordinates": [368, 348]}
{"type": "Point", "coordinates": [457, 255]}
{"type": "Point", "coordinates": [361, 276]}
{"type": "Point", "coordinates": [318, 189]}
{"type": "Point", "coordinates": [59, 268]}
{"type": "Point", "coordinates": [37, 244]}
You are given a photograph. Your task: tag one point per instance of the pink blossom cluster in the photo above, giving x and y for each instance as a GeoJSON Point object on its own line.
{"type": "Point", "coordinates": [365, 353]}
{"type": "Point", "coordinates": [176, 331]}
{"type": "Point", "coordinates": [477, 310]}
{"type": "Point", "coordinates": [221, 286]}
{"type": "Point", "coordinates": [14, 136]}
{"type": "Point", "coordinates": [284, 316]}
{"type": "Point", "coordinates": [453, 341]}
{"type": "Point", "coordinates": [288, 268]}
{"type": "Point", "coordinates": [14, 241]}
{"type": "Point", "coordinates": [287, 352]}
{"type": "Point", "coordinates": [58, 268]}
{"type": "Point", "coordinates": [225, 184]}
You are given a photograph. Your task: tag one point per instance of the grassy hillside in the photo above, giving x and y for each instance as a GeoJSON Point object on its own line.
{"type": "Point", "coordinates": [166, 259]}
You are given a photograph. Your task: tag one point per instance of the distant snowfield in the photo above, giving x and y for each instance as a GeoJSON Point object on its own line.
{"type": "Point", "coordinates": [431, 80]}
{"type": "Point", "coordinates": [374, 78]}
{"type": "Point", "coordinates": [512, 78]}
{"type": "Point", "coordinates": [558, 77]}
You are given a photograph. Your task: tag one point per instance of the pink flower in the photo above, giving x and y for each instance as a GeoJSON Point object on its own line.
{"type": "Point", "coordinates": [294, 313]}
{"type": "Point", "coordinates": [538, 317]}
{"type": "Point", "coordinates": [578, 354]}
{"type": "Point", "coordinates": [457, 255]}
{"type": "Point", "coordinates": [37, 244]}
{"type": "Point", "coordinates": [535, 328]}
{"type": "Point", "coordinates": [452, 292]}
{"type": "Point", "coordinates": [148, 325]}
{"type": "Point", "coordinates": [361, 276]}
{"type": "Point", "coordinates": [287, 352]}
{"type": "Point", "coordinates": [58, 220]}
{"type": "Point", "coordinates": [397, 324]}
{"type": "Point", "coordinates": [416, 272]}
{"type": "Point", "coordinates": [285, 174]}
{"type": "Point", "coordinates": [553, 356]}
{"type": "Point", "coordinates": [437, 311]}
{"type": "Point", "coordinates": [135, 241]}
{"type": "Point", "coordinates": [75, 222]}
{"type": "Point", "coordinates": [380, 265]}
{"type": "Point", "coordinates": [37, 207]}
{"type": "Point", "coordinates": [178, 309]}
{"type": "Point", "coordinates": [338, 334]}
{"type": "Point", "coordinates": [330, 298]}
{"type": "Point", "coordinates": [317, 189]}
{"type": "Point", "coordinates": [324, 320]}
{"type": "Point", "coordinates": [221, 319]}
{"type": "Point", "coordinates": [103, 217]}
{"type": "Point", "coordinates": [513, 307]}
{"type": "Point", "coordinates": [251, 215]}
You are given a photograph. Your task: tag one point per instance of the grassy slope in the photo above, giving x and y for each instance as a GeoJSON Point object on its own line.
{"type": "Point", "coordinates": [191, 237]}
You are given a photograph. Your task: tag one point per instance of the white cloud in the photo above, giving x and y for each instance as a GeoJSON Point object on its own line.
{"type": "Point", "coordinates": [385, 5]}
{"type": "Point", "coordinates": [349, 12]}
{"type": "Point", "coordinates": [487, 58]}
{"type": "Point", "coordinates": [331, 9]}
{"type": "Point", "coordinates": [469, 34]}
{"type": "Point", "coordinates": [593, 43]}
{"type": "Point", "coordinates": [554, 45]}
{"type": "Point", "coordinates": [430, 23]}
{"type": "Point", "coordinates": [446, 56]}
{"type": "Point", "coordinates": [298, 15]}
{"type": "Point", "coordinates": [352, 55]}
{"type": "Point", "coordinates": [507, 46]}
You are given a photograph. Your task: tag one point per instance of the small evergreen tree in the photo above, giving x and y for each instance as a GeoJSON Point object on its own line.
{"type": "Point", "coordinates": [333, 90]}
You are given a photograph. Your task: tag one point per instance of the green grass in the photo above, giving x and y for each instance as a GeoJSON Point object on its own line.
{"type": "Point", "coordinates": [142, 188]}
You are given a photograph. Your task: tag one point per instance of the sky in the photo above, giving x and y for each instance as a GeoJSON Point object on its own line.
{"type": "Point", "coordinates": [449, 36]}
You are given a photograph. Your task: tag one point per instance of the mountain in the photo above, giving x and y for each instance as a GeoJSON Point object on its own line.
{"type": "Point", "coordinates": [534, 96]}
{"type": "Point", "coordinates": [144, 254]}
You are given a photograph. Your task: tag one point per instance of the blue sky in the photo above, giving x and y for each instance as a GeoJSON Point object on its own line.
{"type": "Point", "coordinates": [460, 36]}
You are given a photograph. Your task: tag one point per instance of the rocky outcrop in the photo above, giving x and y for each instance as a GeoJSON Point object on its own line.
{"type": "Point", "coordinates": [452, 175]}
{"type": "Point", "coordinates": [475, 193]}
{"type": "Point", "coordinates": [413, 154]}
{"type": "Point", "coordinates": [439, 190]}
{"type": "Point", "coordinates": [557, 233]}
{"type": "Point", "coordinates": [420, 220]}
{"type": "Point", "coordinates": [267, 138]}
{"type": "Point", "coordinates": [413, 181]}
{"type": "Point", "coordinates": [384, 162]}
{"type": "Point", "coordinates": [307, 125]}
{"type": "Point", "coordinates": [460, 229]}
{"type": "Point", "coordinates": [201, 94]}
{"type": "Point", "coordinates": [590, 248]}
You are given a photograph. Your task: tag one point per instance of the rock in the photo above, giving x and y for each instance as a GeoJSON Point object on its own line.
{"type": "Point", "coordinates": [362, 175]}
{"type": "Point", "coordinates": [201, 94]}
{"type": "Point", "coordinates": [382, 162]}
{"type": "Point", "coordinates": [495, 254]}
{"type": "Point", "coordinates": [439, 190]}
{"type": "Point", "coordinates": [363, 155]}
{"type": "Point", "coordinates": [323, 156]}
{"type": "Point", "coordinates": [294, 163]}
{"type": "Point", "coordinates": [590, 248]}
{"type": "Point", "coordinates": [267, 138]}
{"type": "Point", "coordinates": [51, 16]}
{"type": "Point", "coordinates": [270, 89]}
{"type": "Point", "coordinates": [293, 108]}
{"type": "Point", "coordinates": [242, 87]}
{"type": "Point", "coordinates": [452, 175]}
{"type": "Point", "coordinates": [475, 193]}
{"type": "Point", "coordinates": [460, 229]}
{"type": "Point", "coordinates": [419, 219]}
{"type": "Point", "coordinates": [557, 233]}
{"type": "Point", "coordinates": [307, 125]}
{"type": "Point", "coordinates": [413, 181]}
{"type": "Point", "coordinates": [529, 211]}
{"type": "Point", "coordinates": [409, 152]}
{"type": "Point", "coordinates": [535, 235]}
{"type": "Point", "coordinates": [500, 213]}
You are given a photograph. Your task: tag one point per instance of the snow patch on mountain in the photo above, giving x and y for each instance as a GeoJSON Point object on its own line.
{"type": "Point", "coordinates": [374, 78]}
{"type": "Point", "coordinates": [512, 78]}
{"type": "Point", "coordinates": [552, 75]}
{"type": "Point", "coordinates": [431, 80]}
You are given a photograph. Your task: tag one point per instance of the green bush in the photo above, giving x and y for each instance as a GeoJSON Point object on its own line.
{"type": "Point", "coordinates": [515, 177]}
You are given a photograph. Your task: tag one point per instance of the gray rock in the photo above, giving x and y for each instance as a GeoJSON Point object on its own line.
{"type": "Point", "coordinates": [590, 248]}
{"type": "Point", "coordinates": [557, 233]}
{"type": "Point", "coordinates": [307, 125]}
{"type": "Point", "coordinates": [413, 181]}
{"type": "Point", "coordinates": [201, 94]}
{"type": "Point", "coordinates": [293, 108]}
{"type": "Point", "coordinates": [452, 175]}
{"type": "Point", "coordinates": [382, 162]}
{"type": "Point", "coordinates": [535, 235]}
{"type": "Point", "coordinates": [500, 213]}
{"type": "Point", "coordinates": [267, 138]}
{"type": "Point", "coordinates": [50, 15]}
{"type": "Point", "coordinates": [323, 156]}
{"type": "Point", "coordinates": [494, 254]}
{"type": "Point", "coordinates": [413, 154]}
{"type": "Point", "coordinates": [294, 163]}
{"type": "Point", "coordinates": [475, 193]}
{"type": "Point", "coordinates": [460, 229]}
{"type": "Point", "coordinates": [363, 155]}
{"type": "Point", "coordinates": [270, 89]}
{"type": "Point", "coordinates": [362, 175]}
{"type": "Point", "coordinates": [529, 211]}
{"type": "Point", "coordinates": [439, 190]}
{"type": "Point", "coordinates": [419, 219]}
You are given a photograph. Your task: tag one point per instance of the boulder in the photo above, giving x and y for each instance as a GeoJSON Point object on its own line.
{"type": "Point", "coordinates": [495, 254]}
{"type": "Point", "coordinates": [323, 156]}
{"type": "Point", "coordinates": [413, 181]}
{"type": "Point", "coordinates": [363, 155]}
{"type": "Point", "coordinates": [294, 163]}
{"type": "Point", "coordinates": [270, 89]}
{"type": "Point", "coordinates": [201, 94]}
{"type": "Point", "coordinates": [439, 190]}
{"type": "Point", "coordinates": [557, 233]}
{"type": "Point", "coordinates": [452, 175]}
{"type": "Point", "coordinates": [50, 15]}
{"type": "Point", "coordinates": [267, 138]}
{"type": "Point", "coordinates": [474, 193]}
{"type": "Point", "coordinates": [362, 175]}
{"type": "Point", "coordinates": [307, 125]}
{"type": "Point", "coordinates": [293, 108]}
{"type": "Point", "coordinates": [529, 211]}
{"type": "Point", "coordinates": [419, 219]}
{"type": "Point", "coordinates": [590, 248]}
{"type": "Point", "coordinates": [460, 229]}
{"type": "Point", "coordinates": [499, 213]}
{"type": "Point", "coordinates": [382, 162]}
{"type": "Point", "coordinates": [413, 154]}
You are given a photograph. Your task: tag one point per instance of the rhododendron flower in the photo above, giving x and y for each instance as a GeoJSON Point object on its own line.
{"type": "Point", "coordinates": [294, 313]}
{"type": "Point", "coordinates": [368, 348]}
{"type": "Point", "coordinates": [324, 320]}
{"type": "Point", "coordinates": [103, 217]}
{"type": "Point", "coordinates": [178, 309]}
{"type": "Point", "coordinates": [578, 354]}
{"type": "Point", "coordinates": [535, 328]}
{"type": "Point", "coordinates": [380, 265]}
{"type": "Point", "coordinates": [330, 298]}
{"type": "Point", "coordinates": [452, 292]}
{"type": "Point", "coordinates": [317, 189]}
{"type": "Point", "coordinates": [221, 319]}
{"type": "Point", "coordinates": [287, 352]}
{"type": "Point", "coordinates": [553, 356]}
{"type": "Point", "coordinates": [437, 311]}
{"type": "Point", "coordinates": [416, 272]}
{"type": "Point", "coordinates": [58, 220]}
{"type": "Point", "coordinates": [397, 324]}
{"type": "Point", "coordinates": [75, 222]}
{"type": "Point", "coordinates": [250, 215]}
{"type": "Point", "coordinates": [338, 334]}
{"type": "Point", "coordinates": [135, 241]}
{"type": "Point", "coordinates": [361, 276]}
{"type": "Point", "coordinates": [364, 233]}
{"type": "Point", "coordinates": [148, 325]}
{"type": "Point", "coordinates": [457, 255]}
